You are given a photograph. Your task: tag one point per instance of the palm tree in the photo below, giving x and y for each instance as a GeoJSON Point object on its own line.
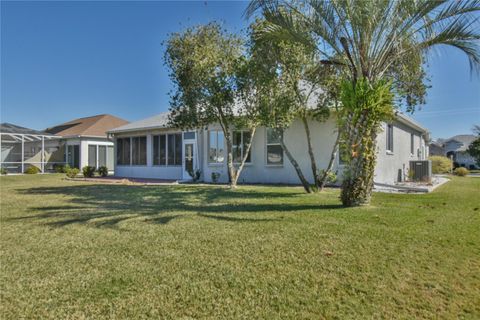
{"type": "Point", "coordinates": [371, 41]}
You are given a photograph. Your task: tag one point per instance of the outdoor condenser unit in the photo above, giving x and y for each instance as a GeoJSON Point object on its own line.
{"type": "Point", "coordinates": [421, 170]}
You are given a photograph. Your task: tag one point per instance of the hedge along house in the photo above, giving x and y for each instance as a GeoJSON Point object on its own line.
{"type": "Point", "coordinates": [22, 148]}
{"type": "Point", "coordinates": [151, 148]}
{"type": "Point", "coordinates": [85, 140]}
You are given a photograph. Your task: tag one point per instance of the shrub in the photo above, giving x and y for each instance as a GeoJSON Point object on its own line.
{"type": "Point", "coordinates": [194, 174]}
{"type": "Point", "coordinates": [59, 168]}
{"type": "Point", "coordinates": [3, 171]}
{"type": "Point", "coordinates": [215, 177]}
{"type": "Point", "coordinates": [72, 172]}
{"type": "Point", "coordinates": [440, 164]}
{"type": "Point", "coordinates": [103, 171]}
{"type": "Point", "coordinates": [32, 170]}
{"type": "Point", "coordinates": [461, 171]}
{"type": "Point", "coordinates": [88, 171]}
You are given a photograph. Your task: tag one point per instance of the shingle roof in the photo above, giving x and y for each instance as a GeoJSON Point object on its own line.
{"type": "Point", "coordinates": [88, 126]}
{"type": "Point", "coordinates": [464, 139]}
{"type": "Point", "coordinates": [161, 121]}
{"type": "Point", "coordinates": [12, 128]}
{"type": "Point", "coordinates": [155, 122]}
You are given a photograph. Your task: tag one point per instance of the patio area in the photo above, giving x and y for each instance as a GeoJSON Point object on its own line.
{"type": "Point", "coordinates": [22, 148]}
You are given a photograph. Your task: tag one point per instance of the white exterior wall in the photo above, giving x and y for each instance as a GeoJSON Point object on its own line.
{"type": "Point", "coordinates": [463, 158]}
{"type": "Point", "coordinates": [323, 137]}
{"type": "Point", "coordinates": [389, 163]}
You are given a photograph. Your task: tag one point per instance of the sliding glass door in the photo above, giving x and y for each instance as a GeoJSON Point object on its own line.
{"type": "Point", "coordinates": [100, 156]}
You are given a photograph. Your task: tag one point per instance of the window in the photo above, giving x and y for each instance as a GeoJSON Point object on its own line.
{"type": "Point", "coordinates": [412, 144]}
{"type": "Point", "coordinates": [92, 155]}
{"type": "Point", "coordinates": [139, 151]}
{"type": "Point", "coordinates": [174, 149]}
{"type": "Point", "coordinates": [240, 143]}
{"type": "Point", "coordinates": [160, 150]}
{"type": "Point", "coordinates": [342, 153]}
{"type": "Point", "coordinates": [390, 137]}
{"type": "Point", "coordinates": [274, 149]}
{"type": "Point", "coordinates": [123, 151]}
{"type": "Point", "coordinates": [189, 135]}
{"type": "Point", "coordinates": [167, 149]}
{"type": "Point", "coordinates": [102, 156]}
{"type": "Point", "coordinates": [216, 147]}
{"type": "Point", "coordinates": [178, 150]}
{"type": "Point", "coordinates": [110, 157]}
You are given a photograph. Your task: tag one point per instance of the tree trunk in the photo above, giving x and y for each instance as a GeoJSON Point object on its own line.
{"type": "Point", "coordinates": [358, 178]}
{"type": "Point", "coordinates": [313, 163]}
{"type": "Point", "coordinates": [244, 159]}
{"type": "Point", "coordinates": [232, 174]}
{"type": "Point", "coordinates": [323, 179]}
{"type": "Point", "coordinates": [294, 163]}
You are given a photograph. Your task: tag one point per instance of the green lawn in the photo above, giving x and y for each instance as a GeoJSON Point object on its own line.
{"type": "Point", "coordinates": [82, 250]}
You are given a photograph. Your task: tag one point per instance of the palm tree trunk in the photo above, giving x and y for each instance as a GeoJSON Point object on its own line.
{"type": "Point", "coordinates": [295, 165]}
{"type": "Point", "coordinates": [357, 185]}
{"type": "Point", "coordinates": [323, 179]}
{"type": "Point", "coordinates": [313, 163]}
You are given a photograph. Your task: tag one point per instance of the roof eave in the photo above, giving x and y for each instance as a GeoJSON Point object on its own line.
{"type": "Point", "coordinates": [411, 123]}
{"type": "Point", "coordinates": [114, 131]}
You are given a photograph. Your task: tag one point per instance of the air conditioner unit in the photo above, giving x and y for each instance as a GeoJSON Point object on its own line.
{"type": "Point", "coordinates": [421, 170]}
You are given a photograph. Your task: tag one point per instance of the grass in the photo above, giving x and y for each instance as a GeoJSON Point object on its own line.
{"type": "Point", "coordinates": [82, 250]}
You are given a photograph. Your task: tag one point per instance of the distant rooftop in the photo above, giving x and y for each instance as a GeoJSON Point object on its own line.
{"type": "Point", "coordinates": [464, 139]}
{"type": "Point", "coordinates": [96, 126]}
{"type": "Point", "coordinates": [14, 129]}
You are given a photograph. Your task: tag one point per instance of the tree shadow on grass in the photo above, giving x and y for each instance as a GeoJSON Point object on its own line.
{"type": "Point", "coordinates": [105, 206]}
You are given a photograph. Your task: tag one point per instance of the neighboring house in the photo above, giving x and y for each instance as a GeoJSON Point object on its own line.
{"type": "Point", "coordinates": [79, 142]}
{"type": "Point", "coordinates": [151, 148]}
{"type": "Point", "coordinates": [86, 141]}
{"type": "Point", "coordinates": [456, 148]}
{"type": "Point", "coordinates": [436, 148]}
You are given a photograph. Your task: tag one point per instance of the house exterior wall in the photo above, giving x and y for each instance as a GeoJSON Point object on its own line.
{"type": "Point", "coordinates": [462, 158]}
{"type": "Point", "coordinates": [257, 171]}
{"type": "Point", "coordinates": [323, 138]}
{"type": "Point", "coordinates": [393, 166]}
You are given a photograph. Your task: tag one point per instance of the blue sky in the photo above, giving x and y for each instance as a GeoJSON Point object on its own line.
{"type": "Point", "coordinates": [63, 60]}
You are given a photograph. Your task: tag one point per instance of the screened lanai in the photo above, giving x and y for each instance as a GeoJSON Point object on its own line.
{"type": "Point", "coordinates": [23, 147]}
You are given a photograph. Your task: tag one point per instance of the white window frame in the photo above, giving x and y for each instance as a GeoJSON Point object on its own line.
{"type": "Point", "coordinates": [267, 144]}
{"type": "Point", "coordinates": [209, 161]}
{"type": "Point", "coordinates": [242, 145]}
